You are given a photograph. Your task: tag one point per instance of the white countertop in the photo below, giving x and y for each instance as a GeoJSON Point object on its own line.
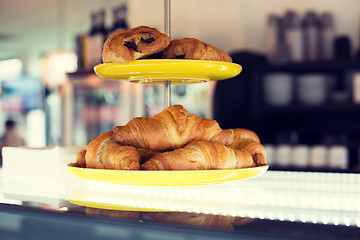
{"type": "Point", "coordinates": [326, 198]}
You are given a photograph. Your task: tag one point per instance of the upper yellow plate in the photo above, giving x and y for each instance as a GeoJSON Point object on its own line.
{"type": "Point", "coordinates": [178, 71]}
{"type": "Point", "coordinates": [167, 178]}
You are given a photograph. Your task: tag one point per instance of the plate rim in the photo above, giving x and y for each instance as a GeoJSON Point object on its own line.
{"type": "Point", "coordinates": [145, 172]}
{"type": "Point", "coordinates": [201, 176]}
{"type": "Point", "coordinates": [168, 61]}
{"type": "Point", "coordinates": [224, 70]}
{"type": "Point", "coordinates": [109, 206]}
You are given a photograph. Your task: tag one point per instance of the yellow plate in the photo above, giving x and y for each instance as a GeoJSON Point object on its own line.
{"type": "Point", "coordinates": [108, 206]}
{"type": "Point", "coordinates": [167, 178]}
{"type": "Point", "coordinates": [155, 71]}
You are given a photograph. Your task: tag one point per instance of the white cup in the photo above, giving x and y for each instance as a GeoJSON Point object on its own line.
{"type": "Point", "coordinates": [338, 157]}
{"type": "Point", "coordinates": [318, 156]}
{"type": "Point", "coordinates": [270, 154]}
{"type": "Point", "coordinates": [312, 88]}
{"type": "Point", "coordinates": [278, 88]}
{"type": "Point", "coordinates": [283, 155]}
{"type": "Point", "coordinates": [300, 156]}
{"type": "Point", "coordinates": [356, 88]}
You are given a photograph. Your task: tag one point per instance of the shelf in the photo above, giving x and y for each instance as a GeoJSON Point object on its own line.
{"type": "Point", "coordinates": [82, 72]}
{"type": "Point", "coordinates": [322, 118]}
{"type": "Point", "coordinates": [318, 66]}
{"type": "Point", "coordinates": [319, 109]}
{"type": "Point", "coordinates": [312, 169]}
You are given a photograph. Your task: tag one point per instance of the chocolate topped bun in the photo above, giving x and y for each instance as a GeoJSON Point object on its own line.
{"type": "Point", "coordinates": [135, 43]}
{"type": "Point", "coordinates": [191, 48]}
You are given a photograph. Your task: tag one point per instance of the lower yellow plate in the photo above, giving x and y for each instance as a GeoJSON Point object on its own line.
{"type": "Point", "coordinates": [178, 71]}
{"type": "Point", "coordinates": [167, 178]}
{"type": "Point", "coordinates": [109, 206]}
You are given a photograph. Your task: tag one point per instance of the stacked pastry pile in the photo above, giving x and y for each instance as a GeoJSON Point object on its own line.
{"type": "Point", "coordinates": [145, 42]}
{"type": "Point", "coordinates": [173, 140]}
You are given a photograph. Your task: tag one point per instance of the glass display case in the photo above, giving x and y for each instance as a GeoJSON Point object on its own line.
{"type": "Point", "coordinates": [93, 105]}
{"type": "Point", "coordinates": [96, 105]}
{"type": "Point", "coordinates": [275, 205]}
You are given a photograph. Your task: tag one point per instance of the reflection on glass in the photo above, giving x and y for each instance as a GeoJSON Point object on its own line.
{"type": "Point", "coordinates": [182, 218]}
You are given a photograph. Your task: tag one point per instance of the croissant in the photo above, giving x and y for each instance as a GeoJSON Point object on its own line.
{"type": "Point", "coordinates": [170, 129]}
{"type": "Point", "coordinates": [194, 219]}
{"type": "Point", "coordinates": [80, 159]}
{"type": "Point", "coordinates": [200, 155]}
{"type": "Point", "coordinates": [239, 221]}
{"type": "Point", "coordinates": [113, 213]}
{"type": "Point", "coordinates": [192, 48]}
{"type": "Point", "coordinates": [105, 152]}
{"type": "Point", "coordinates": [245, 139]}
{"type": "Point", "coordinates": [244, 159]}
{"type": "Point", "coordinates": [146, 154]}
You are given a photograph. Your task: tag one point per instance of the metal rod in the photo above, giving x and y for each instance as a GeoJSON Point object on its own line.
{"type": "Point", "coordinates": [167, 83]}
{"type": "Point", "coordinates": [167, 93]}
{"type": "Point", "coordinates": [167, 18]}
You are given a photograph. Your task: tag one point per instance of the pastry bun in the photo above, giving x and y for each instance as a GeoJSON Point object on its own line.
{"type": "Point", "coordinates": [191, 48]}
{"type": "Point", "coordinates": [134, 43]}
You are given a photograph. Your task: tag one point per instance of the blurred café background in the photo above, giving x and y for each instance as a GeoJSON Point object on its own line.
{"type": "Point", "coordinates": [299, 89]}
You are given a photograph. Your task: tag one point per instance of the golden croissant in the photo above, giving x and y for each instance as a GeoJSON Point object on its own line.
{"type": "Point", "coordinates": [113, 213]}
{"type": "Point", "coordinates": [192, 48]}
{"type": "Point", "coordinates": [245, 139]}
{"type": "Point", "coordinates": [80, 159]}
{"type": "Point", "coordinates": [194, 219]}
{"type": "Point", "coordinates": [200, 155]}
{"type": "Point", "coordinates": [105, 152]}
{"type": "Point", "coordinates": [170, 129]}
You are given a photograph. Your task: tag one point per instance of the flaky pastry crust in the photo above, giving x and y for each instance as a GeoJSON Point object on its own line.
{"type": "Point", "coordinates": [170, 129]}
{"type": "Point", "coordinates": [135, 43]}
{"type": "Point", "coordinates": [191, 48]}
{"type": "Point", "coordinates": [105, 153]}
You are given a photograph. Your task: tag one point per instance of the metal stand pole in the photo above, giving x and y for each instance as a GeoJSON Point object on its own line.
{"type": "Point", "coordinates": [167, 83]}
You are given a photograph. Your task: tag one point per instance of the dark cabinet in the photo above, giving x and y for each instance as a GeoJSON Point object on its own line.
{"type": "Point", "coordinates": [296, 108]}
{"type": "Point", "coordinates": [309, 104]}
